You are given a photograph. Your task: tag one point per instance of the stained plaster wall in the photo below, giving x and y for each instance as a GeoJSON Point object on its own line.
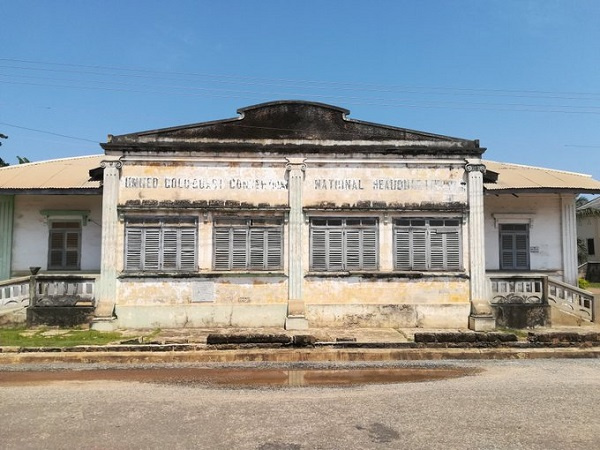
{"type": "Point", "coordinates": [544, 213]}
{"type": "Point", "coordinates": [30, 236]}
{"type": "Point", "coordinates": [589, 228]}
{"type": "Point", "coordinates": [361, 187]}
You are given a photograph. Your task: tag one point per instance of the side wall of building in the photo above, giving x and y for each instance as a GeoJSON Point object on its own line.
{"type": "Point", "coordinates": [31, 229]}
{"type": "Point", "coordinates": [542, 215]}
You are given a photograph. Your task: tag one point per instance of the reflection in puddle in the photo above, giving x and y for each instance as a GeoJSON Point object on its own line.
{"type": "Point", "coordinates": [244, 377]}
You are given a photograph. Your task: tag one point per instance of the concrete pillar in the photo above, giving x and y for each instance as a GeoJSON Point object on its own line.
{"type": "Point", "coordinates": [7, 207]}
{"type": "Point", "coordinates": [296, 319]}
{"type": "Point", "coordinates": [569, 238]}
{"type": "Point", "coordinates": [481, 318]}
{"type": "Point", "coordinates": [106, 287]}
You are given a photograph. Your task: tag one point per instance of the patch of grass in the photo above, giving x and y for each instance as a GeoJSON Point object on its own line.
{"type": "Point", "coordinates": [521, 334]}
{"type": "Point", "coordinates": [593, 284]}
{"type": "Point", "coordinates": [45, 337]}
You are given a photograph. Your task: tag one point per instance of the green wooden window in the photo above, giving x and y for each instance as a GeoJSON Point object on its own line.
{"type": "Point", "coordinates": [343, 244]}
{"type": "Point", "coordinates": [427, 244]}
{"type": "Point", "coordinates": [161, 244]}
{"type": "Point", "coordinates": [248, 243]}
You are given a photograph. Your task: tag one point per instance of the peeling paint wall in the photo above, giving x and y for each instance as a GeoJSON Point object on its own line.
{"type": "Point", "coordinates": [30, 236]}
{"type": "Point", "coordinates": [542, 213]}
{"type": "Point", "coordinates": [360, 186]}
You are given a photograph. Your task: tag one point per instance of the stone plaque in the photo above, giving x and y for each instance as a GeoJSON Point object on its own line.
{"type": "Point", "coordinates": [203, 291]}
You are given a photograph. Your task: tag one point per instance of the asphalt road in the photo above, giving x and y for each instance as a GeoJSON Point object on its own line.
{"type": "Point", "coordinates": [531, 404]}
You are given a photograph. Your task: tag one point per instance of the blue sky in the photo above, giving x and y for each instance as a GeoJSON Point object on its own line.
{"type": "Point", "coordinates": [522, 76]}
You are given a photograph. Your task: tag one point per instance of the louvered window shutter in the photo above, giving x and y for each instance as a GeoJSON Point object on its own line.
{"type": "Point", "coordinates": [427, 244]}
{"type": "Point", "coordinates": [57, 239]}
{"type": "Point", "coordinates": [521, 252]}
{"type": "Point", "coordinates": [453, 250]}
{"type": "Point", "coordinates": [274, 249]}
{"type": "Point", "coordinates": [437, 250]}
{"type": "Point", "coordinates": [222, 246]}
{"type": "Point", "coordinates": [419, 249]}
{"type": "Point", "coordinates": [257, 249]}
{"type": "Point", "coordinates": [239, 251]}
{"type": "Point", "coordinates": [335, 249]}
{"type": "Point", "coordinates": [403, 249]}
{"type": "Point", "coordinates": [318, 254]}
{"type": "Point", "coordinates": [170, 249]}
{"type": "Point", "coordinates": [353, 249]}
{"type": "Point", "coordinates": [369, 249]}
{"type": "Point", "coordinates": [133, 249]}
{"type": "Point", "coordinates": [188, 249]}
{"type": "Point", "coordinates": [151, 249]}
{"type": "Point", "coordinates": [72, 246]}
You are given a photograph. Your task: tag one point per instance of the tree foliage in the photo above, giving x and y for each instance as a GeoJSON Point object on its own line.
{"type": "Point", "coordinates": [21, 159]}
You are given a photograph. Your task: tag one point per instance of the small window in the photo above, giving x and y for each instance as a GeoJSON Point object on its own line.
{"type": "Point", "coordinates": [590, 247]}
{"type": "Point", "coordinates": [343, 244]}
{"type": "Point", "coordinates": [64, 245]}
{"type": "Point", "coordinates": [514, 247]}
{"type": "Point", "coordinates": [248, 244]}
{"type": "Point", "coordinates": [160, 244]}
{"type": "Point", "coordinates": [424, 244]}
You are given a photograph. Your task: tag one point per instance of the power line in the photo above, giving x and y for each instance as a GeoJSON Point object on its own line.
{"type": "Point", "coordinates": [353, 85]}
{"type": "Point", "coordinates": [207, 92]}
{"type": "Point", "coordinates": [47, 132]}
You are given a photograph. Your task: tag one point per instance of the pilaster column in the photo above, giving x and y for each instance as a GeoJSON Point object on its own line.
{"type": "Point", "coordinates": [569, 238]}
{"type": "Point", "coordinates": [106, 289]}
{"type": "Point", "coordinates": [7, 203]}
{"type": "Point", "coordinates": [481, 318]}
{"type": "Point", "coordinates": [296, 319]}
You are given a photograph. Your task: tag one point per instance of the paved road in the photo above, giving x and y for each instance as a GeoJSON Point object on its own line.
{"type": "Point", "coordinates": [533, 404]}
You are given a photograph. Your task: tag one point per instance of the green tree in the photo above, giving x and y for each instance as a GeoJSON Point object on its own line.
{"type": "Point", "coordinates": [21, 159]}
{"type": "Point", "coordinates": [2, 162]}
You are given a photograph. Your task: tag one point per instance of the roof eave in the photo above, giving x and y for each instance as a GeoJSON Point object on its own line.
{"type": "Point", "coordinates": [51, 191]}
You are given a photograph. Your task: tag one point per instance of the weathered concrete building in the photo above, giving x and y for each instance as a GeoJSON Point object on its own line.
{"type": "Point", "coordinates": [294, 215]}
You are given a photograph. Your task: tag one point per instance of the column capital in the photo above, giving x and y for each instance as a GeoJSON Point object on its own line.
{"type": "Point", "coordinates": [475, 167]}
{"type": "Point", "coordinates": [111, 164]}
{"type": "Point", "coordinates": [295, 164]}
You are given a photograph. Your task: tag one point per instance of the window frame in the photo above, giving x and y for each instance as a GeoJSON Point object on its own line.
{"type": "Point", "coordinates": [65, 248]}
{"type": "Point", "coordinates": [505, 231]}
{"type": "Point", "coordinates": [440, 244]}
{"type": "Point", "coordinates": [161, 244]}
{"type": "Point", "coordinates": [356, 244]}
{"type": "Point", "coordinates": [248, 243]}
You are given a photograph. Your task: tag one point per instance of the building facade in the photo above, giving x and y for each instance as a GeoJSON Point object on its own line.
{"type": "Point", "coordinates": [293, 215]}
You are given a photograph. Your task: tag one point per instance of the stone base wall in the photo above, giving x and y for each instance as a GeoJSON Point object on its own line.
{"type": "Point", "coordinates": [388, 315]}
{"type": "Point", "coordinates": [201, 316]}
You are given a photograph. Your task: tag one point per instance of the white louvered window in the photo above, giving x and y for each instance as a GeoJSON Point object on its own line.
{"type": "Point", "coordinates": [514, 246]}
{"type": "Point", "coordinates": [161, 244]}
{"type": "Point", "coordinates": [248, 243]}
{"type": "Point", "coordinates": [427, 244]}
{"type": "Point", "coordinates": [343, 244]}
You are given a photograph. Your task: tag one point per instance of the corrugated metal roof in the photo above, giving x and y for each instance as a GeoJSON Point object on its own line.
{"type": "Point", "coordinates": [73, 173]}
{"type": "Point", "coordinates": [592, 204]}
{"type": "Point", "coordinates": [66, 173]}
{"type": "Point", "coordinates": [515, 177]}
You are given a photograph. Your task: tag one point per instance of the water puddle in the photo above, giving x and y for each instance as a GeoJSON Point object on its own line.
{"type": "Point", "coordinates": [243, 377]}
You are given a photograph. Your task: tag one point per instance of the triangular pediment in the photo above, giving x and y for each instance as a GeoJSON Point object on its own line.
{"type": "Point", "coordinates": [299, 123]}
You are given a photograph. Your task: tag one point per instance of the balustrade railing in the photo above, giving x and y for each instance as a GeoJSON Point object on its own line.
{"type": "Point", "coordinates": [522, 289]}
{"type": "Point", "coordinates": [517, 289]}
{"type": "Point", "coordinates": [571, 299]}
{"type": "Point", "coordinates": [64, 290]}
{"type": "Point", "coordinates": [14, 292]}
